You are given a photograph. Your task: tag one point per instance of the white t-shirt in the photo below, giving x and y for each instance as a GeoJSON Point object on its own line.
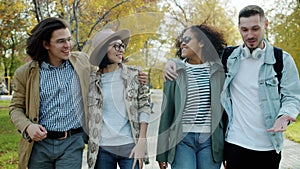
{"type": "Point", "coordinates": [248, 127]}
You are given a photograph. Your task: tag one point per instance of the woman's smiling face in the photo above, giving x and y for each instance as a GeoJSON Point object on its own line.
{"type": "Point", "coordinates": [116, 51]}
{"type": "Point", "coordinates": [191, 48]}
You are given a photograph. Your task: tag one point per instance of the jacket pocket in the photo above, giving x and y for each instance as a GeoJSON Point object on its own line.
{"type": "Point", "coordinates": [272, 85]}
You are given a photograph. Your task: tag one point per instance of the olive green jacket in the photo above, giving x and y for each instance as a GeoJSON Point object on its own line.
{"type": "Point", "coordinates": [25, 104]}
{"type": "Point", "coordinates": [174, 99]}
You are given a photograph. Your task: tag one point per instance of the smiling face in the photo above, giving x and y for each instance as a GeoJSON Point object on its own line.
{"type": "Point", "coordinates": [191, 48]}
{"type": "Point", "coordinates": [59, 47]}
{"type": "Point", "coordinates": [116, 51]}
{"type": "Point", "coordinates": [252, 30]}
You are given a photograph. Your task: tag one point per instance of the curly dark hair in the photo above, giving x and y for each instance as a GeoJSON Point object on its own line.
{"type": "Point", "coordinates": [40, 33]}
{"type": "Point", "coordinates": [214, 42]}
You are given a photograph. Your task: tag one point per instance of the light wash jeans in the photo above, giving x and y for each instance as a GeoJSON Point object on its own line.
{"type": "Point", "coordinates": [194, 152]}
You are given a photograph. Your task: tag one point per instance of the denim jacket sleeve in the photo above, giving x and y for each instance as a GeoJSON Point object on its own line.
{"type": "Point", "coordinates": [290, 88]}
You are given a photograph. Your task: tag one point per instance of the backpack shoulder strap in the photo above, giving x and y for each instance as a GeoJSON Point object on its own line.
{"type": "Point", "coordinates": [226, 53]}
{"type": "Point", "coordinates": [278, 66]}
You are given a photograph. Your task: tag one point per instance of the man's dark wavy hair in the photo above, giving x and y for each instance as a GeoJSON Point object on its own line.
{"type": "Point", "coordinates": [214, 41]}
{"type": "Point", "coordinates": [43, 32]}
{"type": "Point", "coordinates": [252, 10]}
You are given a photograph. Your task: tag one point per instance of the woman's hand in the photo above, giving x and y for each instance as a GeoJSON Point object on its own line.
{"type": "Point", "coordinates": [143, 77]}
{"type": "Point", "coordinates": [138, 153]}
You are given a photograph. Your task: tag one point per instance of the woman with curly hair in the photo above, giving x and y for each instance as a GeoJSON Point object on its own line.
{"type": "Point", "coordinates": [191, 129]}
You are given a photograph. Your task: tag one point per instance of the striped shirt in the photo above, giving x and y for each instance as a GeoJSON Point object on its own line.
{"type": "Point", "coordinates": [197, 111]}
{"type": "Point", "coordinates": [61, 105]}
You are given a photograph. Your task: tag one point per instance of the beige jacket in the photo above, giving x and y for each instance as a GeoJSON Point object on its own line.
{"type": "Point", "coordinates": [136, 98]}
{"type": "Point", "coordinates": [25, 104]}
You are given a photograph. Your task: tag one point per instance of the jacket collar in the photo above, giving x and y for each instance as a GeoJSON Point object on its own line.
{"type": "Point", "coordinates": [269, 53]}
{"type": "Point", "coordinates": [215, 65]}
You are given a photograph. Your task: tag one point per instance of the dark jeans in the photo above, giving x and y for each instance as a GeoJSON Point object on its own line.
{"type": "Point", "coordinates": [110, 157]}
{"type": "Point", "coordinates": [238, 157]}
{"type": "Point", "coordinates": [58, 154]}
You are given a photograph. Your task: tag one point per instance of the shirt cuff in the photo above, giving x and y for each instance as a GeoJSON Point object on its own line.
{"type": "Point", "coordinates": [144, 117]}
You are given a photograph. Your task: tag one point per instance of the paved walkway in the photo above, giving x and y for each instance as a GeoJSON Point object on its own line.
{"type": "Point", "coordinates": [290, 153]}
{"type": "Point", "coordinates": [5, 97]}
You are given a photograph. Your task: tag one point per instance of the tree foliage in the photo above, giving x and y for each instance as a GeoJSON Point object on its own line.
{"type": "Point", "coordinates": [13, 28]}
{"type": "Point", "coordinates": [285, 28]}
{"type": "Point", "coordinates": [154, 26]}
{"type": "Point", "coordinates": [211, 12]}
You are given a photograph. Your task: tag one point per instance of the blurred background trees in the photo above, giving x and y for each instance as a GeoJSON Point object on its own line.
{"type": "Point", "coordinates": [285, 27]}
{"type": "Point", "coordinates": [154, 26]}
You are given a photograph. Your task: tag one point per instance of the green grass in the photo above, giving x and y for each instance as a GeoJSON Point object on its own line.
{"type": "Point", "coordinates": [4, 103]}
{"type": "Point", "coordinates": [293, 131]}
{"type": "Point", "coordinates": [9, 139]}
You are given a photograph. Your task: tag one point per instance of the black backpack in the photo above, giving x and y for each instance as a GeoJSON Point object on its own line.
{"type": "Point", "coordinates": [278, 66]}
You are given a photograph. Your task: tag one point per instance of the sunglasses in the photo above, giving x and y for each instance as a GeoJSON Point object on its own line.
{"type": "Point", "coordinates": [185, 39]}
{"type": "Point", "coordinates": [118, 46]}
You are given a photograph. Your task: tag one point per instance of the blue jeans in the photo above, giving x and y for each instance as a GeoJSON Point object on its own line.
{"type": "Point", "coordinates": [194, 152]}
{"type": "Point", "coordinates": [109, 157]}
{"type": "Point", "coordinates": [58, 154]}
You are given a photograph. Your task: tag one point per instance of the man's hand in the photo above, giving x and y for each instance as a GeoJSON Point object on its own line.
{"type": "Point", "coordinates": [281, 123]}
{"type": "Point", "coordinates": [36, 132]}
{"type": "Point", "coordinates": [143, 77]}
{"type": "Point", "coordinates": [170, 71]}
